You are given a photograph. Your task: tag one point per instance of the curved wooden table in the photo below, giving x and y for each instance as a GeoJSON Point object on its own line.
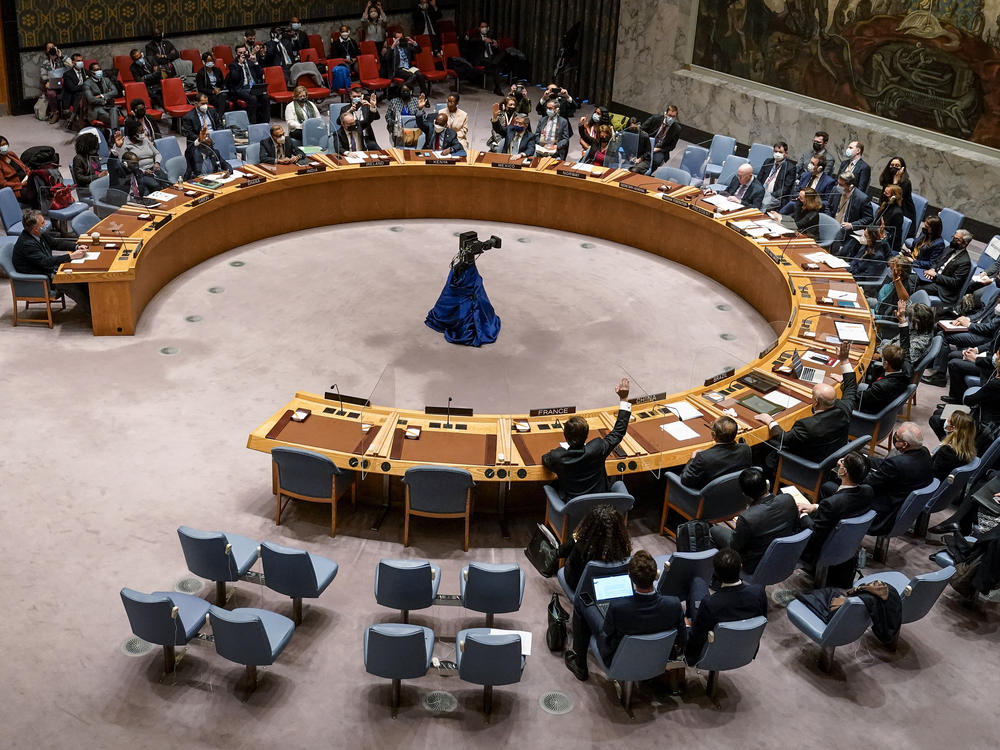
{"type": "Point", "coordinates": [772, 275]}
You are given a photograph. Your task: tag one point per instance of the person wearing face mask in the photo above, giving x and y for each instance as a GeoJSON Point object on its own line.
{"type": "Point", "coordinates": [162, 52]}
{"type": "Point", "coordinates": [855, 165]}
{"type": "Point", "coordinates": [852, 210]}
{"type": "Point", "coordinates": [244, 74]}
{"type": "Point", "coordinates": [99, 92]}
{"type": "Point", "coordinates": [818, 148]}
{"type": "Point", "coordinates": [298, 38]}
{"type": "Point", "coordinates": [929, 244]}
{"type": "Point", "coordinates": [204, 115]}
{"type": "Point", "coordinates": [587, 127]}
{"type": "Point", "coordinates": [373, 23]}
{"type": "Point", "coordinates": [561, 98]}
{"type": "Point", "coordinates": [297, 111]}
{"type": "Point", "coordinates": [278, 52]}
{"type": "Point", "coordinates": [210, 81]}
{"type": "Point", "coordinates": [503, 117]}
{"type": "Point", "coordinates": [146, 123]}
{"type": "Point", "coordinates": [665, 131]}
{"type": "Point", "coordinates": [86, 164]}
{"type": "Point", "coordinates": [890, 216]}
{"type": "Point", "coordinates": [148, 158]}
{"type": "Point", "coordinates": [777, 175]}
{"type": "Point", "coordinates": [401, 102]}
{"type": "Point", "coordinates": [815, 178]}
{"type": "Point", "coordinates": [365, 111]}
{"type": "Point", "coordinates": [599, 151]}
{"type": "Point", "coordinates": [279, 150]}
{"type": "Point", "coordinates": [852, 499]}
{"type": "Point", "coordinates": [869, 262]}
{"type": "Point", "coordinates": [13, 171]}
{"type": "Point", "coordinates": [982, 327]}
{"type": "Point", "coordinates": [519, 140]}
{"type": "Point", "coordinates": [203, 157]}
{"type": "Point", "coordinates": [39, 252]}
{"type": "Point", "coordinates": [143, 71]}
{"type": "Point", "coordinates": [344, 47]}
{"type": "Point", "coordinates": [458, 120]}
{"type": "Point", "coordinates": [947, 277]}
{"type": "Point", "coordinates": [400, 60]}
{"type": "Point", "coordinates": [425, 21]}
{"type": "Point", "coordinates": [352, 136]}
{"type": "Point", "coordinates": [486, 53]}
{"type": "Point", "coordinates": [895, 173]}
{"type": "Point", "coordinates": [73, 80]}
{"type": "Point", "coordinates": [438, 136]}
{"type": "Point", "coordinates": [892, 479]}
{"type": "Point", "coordinates": [553, 132]}
{"type": "Point", "coordinates": [51, 71]}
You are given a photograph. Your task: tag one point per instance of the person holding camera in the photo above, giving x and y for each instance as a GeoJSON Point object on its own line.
{"type": "Point", "coordinates": [244, 74]}
{"type": "Point", "coordinates": [560, 97]}
{"type": "Point", "coordinates": [278, 51]}
{"type": "Point", "coordinates": [400, 58]}
{"type": "Point", "coordinates": [373, 23]}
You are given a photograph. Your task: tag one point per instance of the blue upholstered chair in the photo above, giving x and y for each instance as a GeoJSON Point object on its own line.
{"type": "Point", "coordinates": [563, 516]}
{"type": "Point", "coordinates": [492, 588]}
{"type": "Point", "coordinates": [249, 636]}
{"type": "Point", "coordinates": [259, 131]}
{"type": "Point", "coordinates": [217, 556]}
{"type": "Point", "coordinates": [721, 147]}
{"type": "Point", "coordinates": [638, 657]}
{"type": "Point", "coordinates": [406, 584]}
{"type": "Point", "coordinates": [951, 222]}
{"type": "Point", "coordinates": [306, 475]}
{"type": "Point", "coordinates": [730, 645]}
{"type": "Point", "coordinates": [593, 569]}
{"type": "Point", "coordinates": [226, 146]}
{"type": "Point", "coordinates": [780, 559]}
{"type": "Point", "coordinates": [29, 288]}
{"type": "Point", "coordinates": [948, 493]}
{"type": "Point", "coordinates": [841, 545]}
{"type": "Point", "coordinates": [398, 652]}
{"type": "Point", "coordinates": [296, 573]}
{"type": "Point", "coordinates": [920, 208]}
{"type": "Point", "coordinates": [83, 222]}
{"type": "Point", "coordinates": [335, 111]}
{"type": "Point", "coordinates": [315, 132]}
{"type": "Point", "coordinates": [679, 569]}
{"type": "Point", "coordinates": [673, 174]}
{"type": "Point", "coordinates": [918, 593]}
{"type": "Point", "coordinates": [175, 167]}
{"type": "Point", "coordinates": [729, 166]}
{"type": "Point", "coordinates": [906, 516]}
{"type": "Point", "coordinates": [719, 500]}
{"type": "Point", "coordinates": [759, 153]}
{"type": "Point", "coordinates": [168, 147]}
{"type": "Point", "coordinates": [808, 475]}
{"type": "Point", "coordinates": [829, 229]}
{"type": "Point", "coordinates": [438, 492]}
{"type": "Point", "coordinates": [846, 625]}
{"type": "Point", "coordinates": [252, 154]}
{"type": "Point", "coordinates": [693, 161]}
{"type": "Point", "coordinates": [881, 423]}
{"type": "Point", "coordinates": [165, 618]}
{"type": "Point", "coordinates": [489, 660]}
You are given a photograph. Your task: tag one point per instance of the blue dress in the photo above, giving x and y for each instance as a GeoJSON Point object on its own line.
{"type": "Point", "coordinates": [463, 312]}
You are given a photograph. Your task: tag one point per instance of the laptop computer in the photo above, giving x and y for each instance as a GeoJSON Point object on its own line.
{"type": "Point", "coordinates": [611, 587]}
{"type": "Point", "coordinates": [802, 372]}
{"type": "Point", "coordinates": [258, 88]}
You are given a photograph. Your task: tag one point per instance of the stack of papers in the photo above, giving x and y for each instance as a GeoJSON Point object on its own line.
{"type": "Point", "coordinates": [159, 195]}
{"type": "Point", "coordinates": [679, 431]}
{"type": "Point", "coordinates": [781, 399]}
{"type": "Point", "coordinates": [723, 203]}
{"type": "Point", "coordinates": [851, 332]}
{"type": "Point", "coordinates": [682, 410]}
{"type": "Point", "coordinates": [832, 261]}
{"type": "Point", "coordinates": [88, 256]}
{"type": "Point", "coordinates": [583, 167]}
{"type": "Point", "coordinates": [441, 155]}
{"type": "Point", "coordinates": [847, 296]}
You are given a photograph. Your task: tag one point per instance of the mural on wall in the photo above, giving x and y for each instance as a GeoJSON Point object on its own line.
{"type": "Point", "coordinates": [934, 64]}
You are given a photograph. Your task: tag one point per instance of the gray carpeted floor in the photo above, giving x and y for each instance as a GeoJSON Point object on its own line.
{"type": "Point", "coordinates": [112, 445]}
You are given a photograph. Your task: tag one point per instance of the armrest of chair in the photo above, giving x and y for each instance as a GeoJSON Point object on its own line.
{"type": "Point", "coordinates": [30, 284]}
{"type": "Point", "coordinates": [970, 391]}
{"type": "Point", "coordinates": [680, 496]}
{"type": "Point", "coordinates": [556, 503]}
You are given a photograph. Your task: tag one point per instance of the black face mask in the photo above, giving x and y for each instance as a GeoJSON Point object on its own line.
{"type": "Point", "coordinates": [817, 147]}
{"type": "Point", "coordinates": [140, 112]}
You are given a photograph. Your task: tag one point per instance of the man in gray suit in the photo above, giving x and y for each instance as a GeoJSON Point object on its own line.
{"type": "Point", "coordinates": [100, 93]}
{"type": "Point", "coordinates": [553, 132]}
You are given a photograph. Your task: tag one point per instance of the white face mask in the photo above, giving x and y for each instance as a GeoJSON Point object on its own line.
{"type": "Point", "coordinates": [210, 64]}
{"type": "Point", "coordinates": [439, 128]}
{"type": "Point", "coordinates": [553, 112]}
{"type": "Point", "coordinates": [778, 156]}
{"type": "Point", "coordinates": [595, 117]}
{"type": "Point", "coordinates": [280, 139]}
{"type": "Point", "coordinates": [996, 310]}
{"type": "Point", "coordinates": [356, 100]}
{"type": "Point", "coordinates": [98, 74]}
{"type": "Point", "coordinates": [296, 26]}
{"type": "Point", "coordinates": [203, 108]}
{"type": "Point", "coordinates": [345, 35]}
{"type": "Point", "coordinates": [848, 152]}
{"type": "Point", "coordinates": [79, 64]}
{"type": "Point", "coordinates": [4, 149]}
{"type": "Point", "coordinates": [484, 30]}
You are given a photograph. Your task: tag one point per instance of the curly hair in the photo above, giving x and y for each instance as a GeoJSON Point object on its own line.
{"type": "Point", "coordinates": [602, 535]}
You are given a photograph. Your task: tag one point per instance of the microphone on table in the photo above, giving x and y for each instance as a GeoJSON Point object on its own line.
{"type": "Point", "coordinates": [447, 424]}
{"type": "Point", "coordinates": [340, 397]}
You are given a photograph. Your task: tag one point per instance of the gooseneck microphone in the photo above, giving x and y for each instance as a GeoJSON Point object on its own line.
{"type": "Point", "coordinates": [447, 423]}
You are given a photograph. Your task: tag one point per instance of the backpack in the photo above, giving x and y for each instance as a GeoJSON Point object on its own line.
{"type": "Point", "coordinates": [694, 536]}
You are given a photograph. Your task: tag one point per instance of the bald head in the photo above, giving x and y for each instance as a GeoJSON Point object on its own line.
{"type": "Point", "coordinates": [823, 396]}
{"type": "Point", "coordinates": [908, 437]}
{"type": "Point", "coordinates": [441, 119]}
{"type": "Point", "coordinates": [744, 173]}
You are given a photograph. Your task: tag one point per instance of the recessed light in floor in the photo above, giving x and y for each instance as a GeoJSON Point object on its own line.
{"type": "Point", "coordinates": [237, 264]}
{"type": "Point", "coordinates": [396, 229]}
{"type": "Point", "coordinates": [556, 703]}
{"type": "Point", "coordinates": [727, 336]}
{"type": "Point", "coordinates": [587, 245]}
{"type": "Point", "coordinates": [440, 702]}
{"type": "Point", "coordinates": [724, 307]}
{"type": "Point", "coordinates": [135, 646]}
{"type": "Point", "coordinates": [169, 350]}
{"type": "Point", "coordinates": [525, 240]}
{"type": "Point", "coordinates": [216, 289]}
{"type": "Point", "coordinates": [189, 585]}
{"type": "Point", "coordinates": [193, 318]}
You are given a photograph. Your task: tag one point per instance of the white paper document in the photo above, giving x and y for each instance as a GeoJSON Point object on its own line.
{"type": "Point", "coordinates": [354, 159]}
{"type": "Point", "coordinates": [682, 410]}
{"type": "Point", "coordinates": [781, 399]}
{"type": "Point", "coordinates": [848, 296]}
{"type": "Point", "coordinates": [525, 638]}
{"type": "Point", "coordinates": [583, 167]}
{"type": "Point", "coordinates": [159, 195]}
{"type": "Point", "coordinates": [88, 256]}
{"type": "Point", "coordinates": [993, 249]}
{"type": "Point", "coordinates": [679, 431]}
{"type": "Point", "coordinates": [851, 332]}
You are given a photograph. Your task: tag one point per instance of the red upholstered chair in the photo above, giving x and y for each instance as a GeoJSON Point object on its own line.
{"type": "Point", "coordinates": [277, 89]}
{"type": "Point", "coordinates": [193, 57]}
{"type": "Point", "coordinates": [316, 93]}
{"type": "Point", "coordinates": [424, 40]}
{"type": "Point", "coordinates": [446, 26]}
{"type": "Point", "coordinates": [316, 44]}
{"type": "Point", "coordinates": [368, 73]}
{"type": "Point", "coordinates": [448, 36]}
{"type": "Point", "coordinates": [175, 100]}
{"type": "Point", "coordinates": [224, 51]}
{"type": "Point", "coordinates": [425, 61]}
{"type": "Point", "coordinates": [122, 63]}
{"type": "Point", "coordinates": [369, 48]}
{"type": "Point", "coordinates": [137, 90]}
{"type": "Point", "coordinates": [450, 49]}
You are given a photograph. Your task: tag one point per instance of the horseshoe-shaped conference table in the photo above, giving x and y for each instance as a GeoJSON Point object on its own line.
{"type": "Point", "coordinates": [785, 278]}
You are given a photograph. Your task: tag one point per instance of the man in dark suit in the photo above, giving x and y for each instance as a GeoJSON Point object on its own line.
{"type": "Point", "coordinates": [642, 613]}
{"type": "Point", "coordinates": [814, 177]}
{"type": "Point", "coordinates": [32, 253]}
{"type": "Point", "coordinates": [486, 53]}
{"type": "Point", "coordinates": [722, 458]}
{"type": "Point", "coordinates": [850, 207]}
{"type": "Point", "coordinates": [162, 52]}
{"type": "Point", "coordinates": [426, 17]}
{"type": "Point", "coordinates": [745, 188]}
{"type": "Point", "coordinates": [345, 48]}
{"type": "Point", "coordinates": [853, 164]}
{"type": "Point", "coordinates": [768, 518]}
{"type": "Point", "coordinates": [351, 137]}
{"type": "Point", "coordinates": [202, 116]}
{"type": "Point", "coordinates": [438, 136]}
{"type": "Point", "coordinates": [580, 465]}
{"type": "Point", "coordinates": [296, 37]}
{"type": "Point", "coordinates": [665, 132]}
{"type": "Point", "coordinates": [73, 80]}
{"type": "Point", "coordinates": [203, 157]}
{"type": "Point", "coordinates": [553, 133]}
{"type": "Point", "coordinates": [817, 436]}
{"type": "Point", "coordinates": [882, 392]}
{"type": "Point", "coordinates": [819, 149]}
{"type": "Point", "coordinates": [895, 477]}
{"type": "Point", "coordinates": [948, 277]}
{"type": "Point", "coordinates": [143, 71]}
{"type": "Point", "coordinates": [146, 123]}
{"type": "Point", "coordinates": [365, 111]}
{"type": "Point", "coordinates": [560, 97]}
{"type": "Point", "coordinates": [778, 177]}
{"type": "Point", "coordinates": [400, 60]}
{"type": "Point", "coordinates": [734, 600]}
{"type": "Point", "coordinates": [519, 140]}
{"type": "Point", "coordinates": [278, 149]}
{"type": "Point", "coordinates": [244, 73]}
{"type": "Point", "coordinates": [852, 498]}
{"type": "Point", "coordinates": [278, 52]}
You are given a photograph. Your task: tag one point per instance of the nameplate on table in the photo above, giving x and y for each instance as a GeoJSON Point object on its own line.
{"type": "Point", "coordinates": [375, 163]}
{"type": "Point", "coordinates": [703, 211]}
{"type": "Point", "coordinates": [647, 398]}
{"type": "Point", "coordinates": [721, 376]}
{"type": "Point", "coordinates": [633, 188]}
{"type": "Point", "coordinates": [552, 411]}
{"type": "Point", "coordinates": [310, 169]}
{"type": "Point", "coordinates": [504, 165]}
{"type": "Point", "coordinates": [673, 199]}
{"type": "Point", "coordinates": [571, 173]}
{"type": "Point", "coordinates": [163, 220]}
{"type": "Point", "coordinates": [203, 199]}
{"type": "Point", "coordinates": [440, 161]}
{"type": "Point", "coordinates": [253, 181]}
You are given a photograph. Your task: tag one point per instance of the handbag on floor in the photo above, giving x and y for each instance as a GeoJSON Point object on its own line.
{"type": "Point", "coordinates": [543, 552]}
{"type": "Point", "coordinates": [555, 633]}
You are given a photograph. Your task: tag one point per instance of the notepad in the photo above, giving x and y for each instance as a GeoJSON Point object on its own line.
{"type": "Point", "coordinates": [849, 296]}
{"type": "Point", "coordinates": [679, 431]}
{"type": "Point", "coordinates": [159, 195]}
{"type": "Point", "coordinates": [781, 399]}
{"type": "Point", "coordinates": [88, 256]}
{"type": "Point", "coordinates": [851, 332]}
{"type": "Point", "coordinates": [522, 427]}
{"type": "Point", "coordinates": [354, 159]}
{"type": "Point", "coordinates": [525, 638]}
{"type": "Point", "coordinates": [683, 410]}
{"type": "Point", "coordinates": [412, 433]}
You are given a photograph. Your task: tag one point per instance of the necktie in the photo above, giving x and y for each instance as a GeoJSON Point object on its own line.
{"type": "Point", "coordinates": [842, 210]}
{"type": "Point", "coordinates": [404, 61]}
{"type": "Point", "coordinates": [204, 120]}
{"type": "Point", "coordinates": [850, 168]}
{"type": "Point", "coordinates": [437, 141]}
{"type": "Point", "coordinates": [354, 142]}
{"type": "Point", "coordinates": [246, 75]}
{"type": "Point", "coordinates": [284, 53]}
{"type": "Point", "coordinates": [134, 187]}
{"type": "Point", "coordinates": [663, 129]}
{"type": "Point", "coordinates": [550, 130]}
{"type": "Point", "coordinates": [770, 178]}
{"type": "Point", "coordinates": [279, 150]}
{"type": "Point", "coordinates": [740, 191]}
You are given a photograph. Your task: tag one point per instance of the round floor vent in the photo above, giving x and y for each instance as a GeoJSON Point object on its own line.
{"type": "Point", "coordinates": [556, 703]}
{"type": "Point", "coordinates": [135, 646]}
{"type": "Point", "coordinates": [440, 702]}
{"type": "Point", "coordinates": [189, 585]}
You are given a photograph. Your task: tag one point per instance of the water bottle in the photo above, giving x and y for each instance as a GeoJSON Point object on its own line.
{"type": "Point", "coordinates": [621, 156]}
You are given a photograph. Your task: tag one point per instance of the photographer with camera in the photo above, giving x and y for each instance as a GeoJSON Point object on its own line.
{"type": "Point", "coordinates": [463, 312]}
{"type": "Point", "coordinates": [400, 58]}
{"type": "Point", "coordinates": [244, 74]}
{"type": "Point", "coordinates": [563, 101]}
{"type": "Point", "coordinates": [278, 51]}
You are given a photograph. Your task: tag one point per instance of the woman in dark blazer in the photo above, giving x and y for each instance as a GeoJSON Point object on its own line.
{"type": "Point", "coordinates": [895, 174]}
{"type": "Point", "coordinates": [890, 216]}
{"type": "Point", "coordinates": [210, 81]}
{"type": "Point", "coordinates": [929, 244]}
{"type": "Point", "coordinates": [870, 263]}
{"type": "Point", "coordinates": [599, 151]}
{"type": "Point", "coordinates": [807, 214]}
